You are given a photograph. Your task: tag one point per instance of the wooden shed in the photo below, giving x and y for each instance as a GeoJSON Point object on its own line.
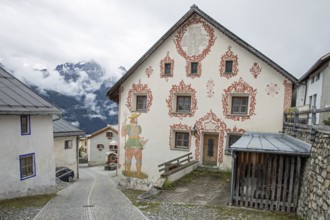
{"type": "Point", "coordinates": [267, 169]}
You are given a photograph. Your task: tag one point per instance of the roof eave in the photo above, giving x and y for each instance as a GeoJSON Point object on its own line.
{"type": "Point", "coordinates": [113, 92]}
{"type": "Point", "coordinates": [318, 64]}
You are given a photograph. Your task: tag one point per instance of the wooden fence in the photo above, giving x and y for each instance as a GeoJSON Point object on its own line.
{"type": "Point", "coordinates": [266, 181]}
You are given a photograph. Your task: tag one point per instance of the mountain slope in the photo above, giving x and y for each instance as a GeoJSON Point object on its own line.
{"type": "Point", "coordinates": [83, 101]}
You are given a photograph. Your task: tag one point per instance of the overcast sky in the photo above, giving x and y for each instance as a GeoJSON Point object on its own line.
{"type": "Point", "coordinates": [45, 33]}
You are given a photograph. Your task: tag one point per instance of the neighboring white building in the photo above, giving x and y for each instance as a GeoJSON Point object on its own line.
{"type": "Point", "coordinates": [66, 140]}
{"type": "Point", "coordinates": [98, 145]}
{"type": "Point", "coordinates": [26, 126]}
{"type": "Point", "coordinates": [198, 76]}
{"type": "Point", "coordinates": [313, 89]}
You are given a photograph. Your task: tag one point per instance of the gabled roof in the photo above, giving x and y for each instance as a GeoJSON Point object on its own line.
{"type": "Point", "coordinates": [17, 98]}
{"type": "Point", "coordinates": [62, 128]}
{"type": "Point", "coordinates": [107, 128]}
{"type": "Point", "coordinates": [114, 91]}
{"type": "Point", "coordinates": [275, 143]}
{"type": "Point", "coordinates": [317, 65]}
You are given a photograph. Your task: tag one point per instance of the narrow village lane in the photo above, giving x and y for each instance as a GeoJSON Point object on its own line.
{"type": "Point", "coordinates": [93, 197]}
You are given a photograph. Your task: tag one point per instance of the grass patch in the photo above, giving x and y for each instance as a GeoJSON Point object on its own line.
{"type": "Point", "coordinates": [142, 205]}
{"type": "Point", "coordinates": [199, 171]}
{"type": "Point", "coordinates": [23, 202]}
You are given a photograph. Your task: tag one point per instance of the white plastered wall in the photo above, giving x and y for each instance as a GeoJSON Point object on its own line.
{"type": "Point", "coordinates": [156, 123]}
{"type": "Point", "coordinates": [13, 144]}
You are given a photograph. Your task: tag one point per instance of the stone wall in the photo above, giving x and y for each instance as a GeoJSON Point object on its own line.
{"type": "Point", "coordinates": [314, 198]}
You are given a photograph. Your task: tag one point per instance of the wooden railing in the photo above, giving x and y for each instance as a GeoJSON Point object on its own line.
{"type": "Point", "coordinates": [175, 163]}
{"type": "Point", "coordinates": [305, 119]}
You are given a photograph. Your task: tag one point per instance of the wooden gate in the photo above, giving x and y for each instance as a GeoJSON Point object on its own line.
{"type": "Point", "coordinates": [266, 181]}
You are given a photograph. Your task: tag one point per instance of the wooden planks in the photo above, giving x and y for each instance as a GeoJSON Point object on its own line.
{"type": "Point", "coordinates": [266, 181]}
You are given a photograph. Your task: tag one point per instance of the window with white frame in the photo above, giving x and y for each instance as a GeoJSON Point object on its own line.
{"type": "Point", "coordinates": [239, 105]}
{"type": "Point", "coordinates": [27, 165]}
{"type": "Point", "coordinates": [183, 103]}
{"type": "Point", "coordinates": [141, 103]}
{"type": "Point", "coordinates": [25, 125]}
{"type": "Point", "coordinates": [181, 140]}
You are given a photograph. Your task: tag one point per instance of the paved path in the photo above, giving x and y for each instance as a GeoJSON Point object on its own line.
{"type": "Point", "coordinates": [93, 197]}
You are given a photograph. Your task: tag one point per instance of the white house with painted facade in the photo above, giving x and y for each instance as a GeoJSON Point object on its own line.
{"type": "Point", "coordinates": [198, 77]}
{"type": "Point", "coordinates": [313, 89]}
{"type": "Point", "coordinates": [26, 126]}
{"type": "Point", "coordinates": [66, 142]}
{"type": "Point", "coordinates": [98, 145]}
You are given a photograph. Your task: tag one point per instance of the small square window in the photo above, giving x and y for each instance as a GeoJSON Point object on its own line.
{"type": "Point", "coordinates": [229, 66]}
{"type": "Point", "coordinates": [68, 144]}
{"type": "Point", "coordinates": [27, 166]}
{"type": "Point", "coordinates": [25, 125]}
{"type": "Point", "coordinates": [109, 135]}
{"type": "Point", "coordinates": [141, 103]}
{"type": "Point", "coordinates": [194, 68]}
{"type": "Point", "coordinates": [182, 140]}
{"type": "Point", "coordinates": [183, 104]}
{"type": "Point", "coordinates": [100, 147]}
{"type": "Point", "coordinates": [167, 69]}
{"type": "Point", "coordinates": [239, 105]}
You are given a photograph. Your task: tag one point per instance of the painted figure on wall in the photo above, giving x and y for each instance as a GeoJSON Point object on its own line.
{"type": "Point", "coordinates": [133, 146]}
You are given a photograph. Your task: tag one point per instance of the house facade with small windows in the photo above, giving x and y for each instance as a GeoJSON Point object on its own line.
{"type": "Point", "coordinates": [27, 154]}
{"type": "Point", "coordinates": [313, 89]}
{"type": "Point", "coordinates": [66, 142]}
{"type": "Point", "coordinates": [197, 89]}
{"type": "Point", "coordinates": [98, 145]}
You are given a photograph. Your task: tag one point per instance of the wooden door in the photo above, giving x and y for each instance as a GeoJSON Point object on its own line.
{"type": "Point", "coordinates": [210, 149]}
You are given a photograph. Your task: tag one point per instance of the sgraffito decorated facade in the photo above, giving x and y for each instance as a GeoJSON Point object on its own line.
{"type": "Point", "coordinates": [209, 81]}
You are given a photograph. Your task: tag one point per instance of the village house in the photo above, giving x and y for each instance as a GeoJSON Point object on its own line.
{"type": "Point", "coordinates": [66, 141]}
{"type": "Point", "coordinates": [99, 145]}
{"type": "Point", "coordinates": [27, 147]}
{"type": "Point", "coordinates": [313, 89]}
{"type": "Point", "coordinates": [196, 90]}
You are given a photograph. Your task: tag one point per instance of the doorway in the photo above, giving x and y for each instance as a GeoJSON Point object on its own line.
{"type": "Point", "coordinates": [210, 149]}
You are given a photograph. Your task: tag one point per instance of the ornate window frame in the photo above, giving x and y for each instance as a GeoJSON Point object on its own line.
{"type": "Point", "coordinates": [167, 59]}
{"type": "Point", "coordinates": [228, 56]}
{"type": "Point", "coordinates": [179, 128]}
{"type": "Point", "coordinates": [184, 90]}
{"type": "Point", "coordinates": [239, 88]}
{"type": "Point", "coordinates": [136, 90]}
{"type": "Point", "coordinates": [188, 69]}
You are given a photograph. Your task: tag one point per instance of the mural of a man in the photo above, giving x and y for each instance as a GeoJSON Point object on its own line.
{"type": "Point", "coordinates": [134, 145]}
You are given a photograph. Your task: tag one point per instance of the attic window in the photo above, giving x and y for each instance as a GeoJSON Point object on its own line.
{"type": "Point", "coordinates": [194, 68]}
{"type": "Point", "coordinates": [109, 135]}
{"type": "Point", "coordinates": [229, 66]}
{"type": "Point", "coordinates": [168, 69]}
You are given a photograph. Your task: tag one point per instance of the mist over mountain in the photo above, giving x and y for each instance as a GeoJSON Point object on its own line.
{"type": "Point", "coordinates": [80, 94]}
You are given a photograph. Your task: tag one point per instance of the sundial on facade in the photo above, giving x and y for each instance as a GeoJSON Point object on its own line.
{"type": "Point", "coordinates": [194, 40]}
